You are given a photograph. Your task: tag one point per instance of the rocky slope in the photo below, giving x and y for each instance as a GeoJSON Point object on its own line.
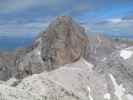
{"type": "Point", "coordinates": [76, 81]}
{"type": "Point", "coordinates": [63, 42]}
{"type": "Point", "coordinates": [10, 61]}
{"type": "Point", "coordinates": [100, 46]}
{"type": "Point", "coordinates": [119, 63]}
{"type": "Point", "coordinates": [72, 81]}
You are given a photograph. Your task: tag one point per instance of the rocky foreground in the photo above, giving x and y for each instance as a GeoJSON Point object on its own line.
{"type": "Point", "coordinates": [66, 63]}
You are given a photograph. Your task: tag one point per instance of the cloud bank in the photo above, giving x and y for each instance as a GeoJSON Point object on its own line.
{"type": "Point", "coordinates": [19, 18]}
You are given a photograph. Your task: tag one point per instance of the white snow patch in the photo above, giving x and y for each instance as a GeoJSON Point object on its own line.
{"type": "Point", "coordinates": [126, 54]}
{"type": "Point", "coordinates": [119, 89]}
{"type": "Point", "coordinates": [89, 91]}
{"type": "Point", "coordinates": [129, 97]}
{"type": "Point", "coordinates": [107, 96]}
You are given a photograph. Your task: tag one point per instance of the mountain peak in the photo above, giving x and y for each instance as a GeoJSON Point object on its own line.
{"type": "Point", "coordinates": [64, 18]}
{"type": "Point", "coordinates": [64, 41]}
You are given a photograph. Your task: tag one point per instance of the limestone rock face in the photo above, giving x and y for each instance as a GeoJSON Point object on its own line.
{"type": "Point", "coordinates": [100, 47]}
{"type": "Point", "coordinates": [63, 42]}
{"type": "Point", "coordinates": [119, 64]}
{"type": "Point", "coordinates": [31, 63]}
{"type": "Point", "coordinates": [7, 65]}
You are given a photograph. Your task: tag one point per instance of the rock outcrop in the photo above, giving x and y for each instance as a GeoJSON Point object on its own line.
{"type": "Point", "coordinates": [62, 43]}
{"type": "Point", "coordinates": [99, 47]}
{"type": "Point", "coordinates": [7, 65]}
{"type": "Point", "coordinates": [119, 63]}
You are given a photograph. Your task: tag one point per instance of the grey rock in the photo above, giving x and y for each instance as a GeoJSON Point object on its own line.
{"type": "Point", "coordinates": [76, 81]}
{"type": "Point", "coordinates": [63, 42]}
{"type": "Point", "coordinates": [7, 65]}
{"type": "Point", "coordinates": [71, 81]}
{"type": "Point", "coordinates": [99, 47]}
{"type": "Point", "coordinates": [9, 62]}
{"type": "Point", "coordinates": [31, 63]}
{"type": "Point", "coordinates": [119, 67]}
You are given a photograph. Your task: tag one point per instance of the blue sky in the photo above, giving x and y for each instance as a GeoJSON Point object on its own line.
{"type": "Point", "coordinates": [29, 17]}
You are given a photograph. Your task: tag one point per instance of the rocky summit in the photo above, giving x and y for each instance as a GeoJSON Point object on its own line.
{"type": "Point", "coordinates": [62, 43]}
{"type": "Point", "coordinates": [67, 63]}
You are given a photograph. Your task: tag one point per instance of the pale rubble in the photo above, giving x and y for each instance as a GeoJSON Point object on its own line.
{"type": "Point", "coordinates": [63, 84]}
{"type": "Point", "coordinates": [12, 93]}
{"type": "Point", "coordinates": [63, 78]}
{"type": "Point", "coordinates": [56, 85]}
{"type": "Point", "coordinates": [119, 67]}
{"type": "Point", "coordinates": [76, 81]}
{"type": "Point", "coordinates": [120, 91]}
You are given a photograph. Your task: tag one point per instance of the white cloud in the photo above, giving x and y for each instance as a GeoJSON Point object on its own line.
{"type": "Point", "coordinates": [15, 29]}
{"type": "Point", "coordinates": [14, 5]}
{"type": "Point", "coordinates": [115, 20]}
{"type": "Point", "coordinates": [115, 26]}
{"type": "Point", "coordinates": [18, 5]}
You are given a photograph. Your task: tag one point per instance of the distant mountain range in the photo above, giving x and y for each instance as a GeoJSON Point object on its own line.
{"type": "Point", "coordinates": [129, 37]}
